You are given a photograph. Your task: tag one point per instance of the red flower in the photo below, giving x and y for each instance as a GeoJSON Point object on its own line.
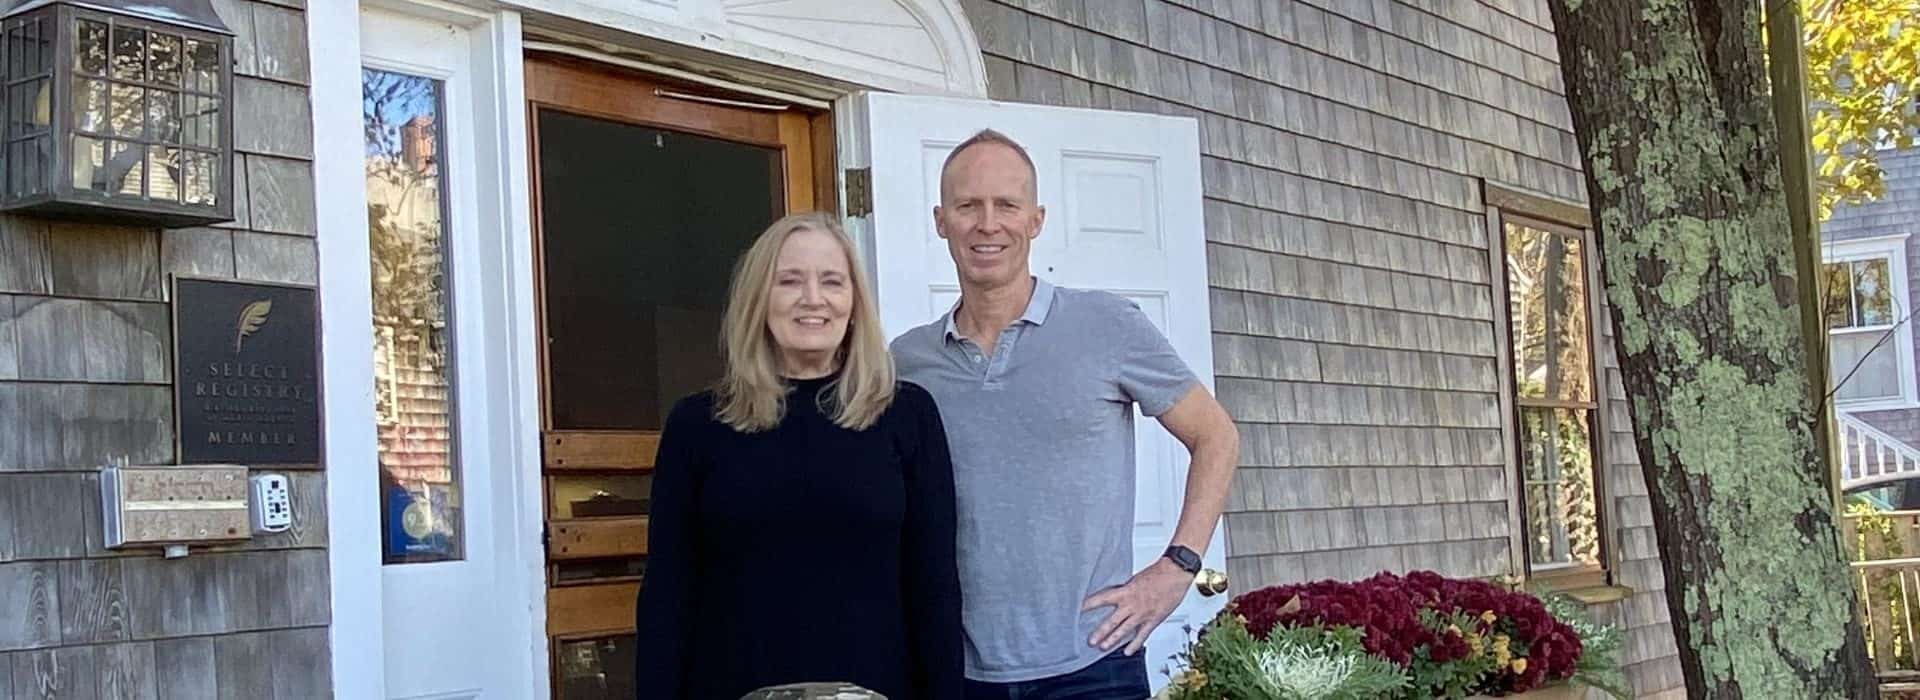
{"type": "Point", "coordinates": [1387, 609]}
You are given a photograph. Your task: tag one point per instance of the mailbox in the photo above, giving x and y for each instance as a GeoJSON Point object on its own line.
{"type": "Point", "coordinates": [167, 506]}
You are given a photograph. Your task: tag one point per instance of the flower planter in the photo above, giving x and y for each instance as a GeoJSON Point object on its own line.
{"type": "Point", "coordinates": [1392, 635]}
{"type": "Point", "coordinates": [1552, 692]}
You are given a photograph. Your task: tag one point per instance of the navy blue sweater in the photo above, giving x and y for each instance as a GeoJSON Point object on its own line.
{"type": "Point", "coordinates": [808, 552]}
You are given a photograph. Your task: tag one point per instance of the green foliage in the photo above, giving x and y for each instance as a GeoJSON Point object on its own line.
{"type": "Point", "coordinates": [1453, 678]}
{"type": "Point", "coordinates": [1875, 538]}
{"type": "Point", "coordinates": [1863, 81]}
{"type": "Point", "coordinates": [1305, 663]}
{"type": "Point", "coordinates": [1600, 646]}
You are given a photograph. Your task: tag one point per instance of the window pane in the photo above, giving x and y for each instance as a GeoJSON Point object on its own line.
{"type": "Point", "coordinates": [413, 393]}
{"type": "Point", "coordinates": [1872, 293]}
{"type": "Point", "coordinates": [90, 49]}
{"type": "Point", "coordinates": [1863, 371]}
{"type": "Point", "coordinates": [1838, 306]}
{"type": "Point", "coordinates": [1557, 467]}
{"type": "Point", "coordinates": [166, 59]}
{"type": "Point", "coordinates": [1547, 297]}
{"type": "Point", "coordinates": [125, 168]}
{"type": "Point", "coordinates": [163, 173]}
{"type": "Point", "coordinates": [200, 169]}
{"type": "Point", "coordinates": [32, 107]}
{"type": "Point", "coordinates": [90, 105]}
{"type": "Point", "coordinates": [129, 53]}
{"type": "Point", "coordinates": [33, 50]}
{"type": "Point", "coordinates": [635, 292]}
{"type": "Point", "coordinates": [163, 116]}
{"type": "Point", "coordinates": [200, 119]}
{"type": "Point", "coordinates": [89, 154]}
{"type": "Point", "coordinates": [202, 71]}
{"type": "Point", "coordinates": [129, 111]}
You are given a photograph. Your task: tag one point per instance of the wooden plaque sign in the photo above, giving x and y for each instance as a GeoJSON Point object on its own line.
{"type": "Point", "coordinates": [246, 372]}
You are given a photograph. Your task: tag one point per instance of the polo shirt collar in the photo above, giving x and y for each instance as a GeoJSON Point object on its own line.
{"type": "Point", "coordinates": [1037, 308]}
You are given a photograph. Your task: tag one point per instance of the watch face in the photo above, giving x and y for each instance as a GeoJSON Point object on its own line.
{"type": "Point", "coordinates": [1186, 558]}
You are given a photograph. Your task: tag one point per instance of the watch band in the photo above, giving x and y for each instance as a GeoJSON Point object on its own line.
{"type": "Point", "coordinates": [1187, 559]}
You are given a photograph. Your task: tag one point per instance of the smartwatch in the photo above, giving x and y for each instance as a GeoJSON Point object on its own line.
{"type": "Point", "coordinates": [1187, 559]}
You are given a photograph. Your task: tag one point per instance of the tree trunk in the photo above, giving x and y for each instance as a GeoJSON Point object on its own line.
{"type": "Point", "coordinates": [1670, 102]}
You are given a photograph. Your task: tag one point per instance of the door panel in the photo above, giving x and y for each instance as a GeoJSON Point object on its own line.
{"type": "Point", "coordinates": [447, 523]}
{"type": "Point", "coordinates": [642, 203]}
{"type": "Point", "coordinates": [1123, 197]}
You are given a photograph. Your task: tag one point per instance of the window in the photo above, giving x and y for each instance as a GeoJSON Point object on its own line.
{"type": "Point", "coordinates": [1556, 404]}
{"type": "Point", "coordinates": [1870, 344]}
{"type": "Point", "coordinates": [413, 394]}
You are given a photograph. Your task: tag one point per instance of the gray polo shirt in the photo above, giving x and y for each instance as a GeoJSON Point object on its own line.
{"type": "Point", "coordinates": [1041, 434]}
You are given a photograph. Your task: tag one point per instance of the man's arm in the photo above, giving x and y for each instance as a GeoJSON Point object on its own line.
{"type": "Point", "coordinates": [1202, 424]}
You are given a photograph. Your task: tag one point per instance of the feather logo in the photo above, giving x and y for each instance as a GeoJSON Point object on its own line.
{"type": "Point", "coordinates": [251, 318]}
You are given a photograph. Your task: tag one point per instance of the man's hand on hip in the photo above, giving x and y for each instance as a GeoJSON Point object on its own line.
{"type": "Point", "coordinates": [1139, 605]}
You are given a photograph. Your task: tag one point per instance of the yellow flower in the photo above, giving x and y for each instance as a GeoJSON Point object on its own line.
{"type": "Point", "coordinates": [1488, 617]}
{"type": "Point", "coordinates": [1520, 665]}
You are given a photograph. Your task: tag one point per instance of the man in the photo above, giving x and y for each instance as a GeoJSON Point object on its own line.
{"type": "Point", "coordinates": [1036, 385]}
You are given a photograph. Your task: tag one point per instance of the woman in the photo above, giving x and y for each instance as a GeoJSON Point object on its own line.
{"type": "Point", "coordinates": [803, 510]}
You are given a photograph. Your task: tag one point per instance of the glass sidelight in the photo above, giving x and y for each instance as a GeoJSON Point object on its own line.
{"type": "Point", "coordinates": [412, 360]}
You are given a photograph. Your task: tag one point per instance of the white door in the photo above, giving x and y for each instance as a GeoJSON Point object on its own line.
{"type": "Point", "coordinates": [456, 609]}
{"type": "Point", "coordinates": [1122, 192]}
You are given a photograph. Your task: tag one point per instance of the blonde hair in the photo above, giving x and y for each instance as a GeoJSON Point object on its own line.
{"type": "Point", "coordinates": [752, 396]}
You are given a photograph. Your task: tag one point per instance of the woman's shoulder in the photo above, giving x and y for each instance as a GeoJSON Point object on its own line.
{"type": "Point", "coordinates": [911, 396]}
{"type": "Point", "coordinates": [913, 403]}
{"type": "Point", "coordinates": [693, 409]}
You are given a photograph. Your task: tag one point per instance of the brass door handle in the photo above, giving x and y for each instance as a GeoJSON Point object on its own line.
{"type": "Point", "coordinates": [1210, 582]}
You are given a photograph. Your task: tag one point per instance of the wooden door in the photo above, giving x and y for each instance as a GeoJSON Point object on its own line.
{"type": "Point", "coordinates": [644, 194]}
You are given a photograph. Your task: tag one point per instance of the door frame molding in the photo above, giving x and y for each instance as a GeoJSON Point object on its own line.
{"type": "Point", "coordinates": [500, 209]}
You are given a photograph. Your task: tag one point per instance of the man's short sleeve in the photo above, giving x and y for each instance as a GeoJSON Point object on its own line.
{"type": "Point", "coordinates": [1151, 373]}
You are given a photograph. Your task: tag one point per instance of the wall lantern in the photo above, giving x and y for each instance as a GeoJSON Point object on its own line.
{"type": "Point", "coordinates": [117, 110]}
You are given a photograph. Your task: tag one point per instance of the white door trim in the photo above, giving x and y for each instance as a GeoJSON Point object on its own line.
{"type": "Point", "coordinates": [358, 643]}
{"type": "Point", "coordinates": [917, 46]}
{"type": "Point", "coordinates": [509, 402]}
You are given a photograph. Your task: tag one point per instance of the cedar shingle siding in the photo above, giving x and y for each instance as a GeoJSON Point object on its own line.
{"type": "Point", "coordinates": [1343, 146]}
{"type": "Point", "coordinates": [85, 362]}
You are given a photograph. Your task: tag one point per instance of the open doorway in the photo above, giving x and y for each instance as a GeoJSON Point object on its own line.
{"type": "Point", "coordinates": [644, 194]}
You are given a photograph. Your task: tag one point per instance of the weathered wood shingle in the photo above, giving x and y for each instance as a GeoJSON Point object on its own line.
{"type": "Point", "coordinates": [85, 355]}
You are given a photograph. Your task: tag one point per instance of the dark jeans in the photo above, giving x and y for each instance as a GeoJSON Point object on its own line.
{"type": "Point", "coordinates": [1116, 677]}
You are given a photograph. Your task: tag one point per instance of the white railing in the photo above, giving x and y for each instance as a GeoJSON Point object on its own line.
{"type": "Point", "coordinates": [1868, 456]}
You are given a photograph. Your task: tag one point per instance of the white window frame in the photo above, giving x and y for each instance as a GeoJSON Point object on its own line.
{"type": "Point", "coordinates": [1894, 250]}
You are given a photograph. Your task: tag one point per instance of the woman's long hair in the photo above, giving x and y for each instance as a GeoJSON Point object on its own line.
{"type": "Point", "coordinates": [752, 396]}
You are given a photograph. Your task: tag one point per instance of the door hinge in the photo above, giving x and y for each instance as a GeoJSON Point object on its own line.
{"type": "Point", "coordinates": [859, 191]}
